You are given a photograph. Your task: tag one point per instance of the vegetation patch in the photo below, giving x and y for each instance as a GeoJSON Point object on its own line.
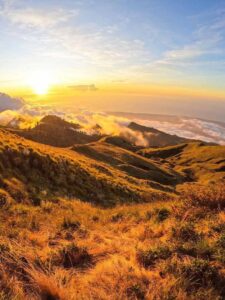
{"type": "Point", "coordinates": [147, 258]}
{"type": "Point", "coordinates": [69, 223]}
{"type": "Point", "coordinates": [162, 214]}
{"type": "Point", "coordinates": [72, 256]}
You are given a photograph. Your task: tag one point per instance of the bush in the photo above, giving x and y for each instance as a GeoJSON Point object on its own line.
{"type": "Point", "coordinates": [70, 224]}
{"type": "Point", "coordinates": [95, 218]}
{"type": "Point", "coordinates": [185, 232]}
{"type": "Point", "coordinates": [200, 273]}
{"type": "Point", "coordinates": [36, 201]}
{"type": "Point", "coordinates": [162, 214]}
{"type": "Point", "coordinates": [136, 292]}
{"type": "Point", "coordinates": [5, 199]}
{"type": "Point", "coordinates": [211, 196]}
{"type": "Point", "coordinates": [72, 256]}
{"type": "Point", "coordinates": [117, 217]}
{"type": "Point", "coordinates": [221, 241]}
{"type": "Point", "coordinates": [16, 189]}
{"type": "Point", "coordinates": [220, 249]}
{"type": "Point", "coordinates": [147, 258]}
{"type": "Point", "coordinates": [196, 249]}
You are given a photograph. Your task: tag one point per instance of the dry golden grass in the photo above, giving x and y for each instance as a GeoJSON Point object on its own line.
{"type": "Point", "coordinates": [159, 246]}
{"type": "Point", "coordinates": [46, 170]}
{"type": "Point", "coordinates": [67, 249]}
{"type": "Point", "coordinates": [211, 196]}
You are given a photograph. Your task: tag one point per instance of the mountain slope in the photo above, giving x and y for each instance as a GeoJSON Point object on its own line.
{"type": "Point", "coordinates": [67, 173]}
{"type": "Point", "coordinates": [54, 131]}
{"type": "Point", "coordinates": [55, 246]}
{"type": "Point", "coordinates": [156, 138]}
{"type": "Point", "coordinates": [121, 142]}
{"type": "Point", "coordinates": [132, 164]}
{"type": "Point", "coordinates": [198, 160]}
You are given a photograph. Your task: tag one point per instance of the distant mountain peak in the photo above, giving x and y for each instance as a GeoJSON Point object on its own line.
{"type": "Point", "coordinates": [57, 121]}
{"type": "Point", "coordinates": [155, 137]}
{"type": "Point", "coordinates": [55, 131]}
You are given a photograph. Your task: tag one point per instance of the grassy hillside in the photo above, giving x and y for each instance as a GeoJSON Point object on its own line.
{"type": "Point", "coordinates": [64, 250]}
{"type": "Point", "coordinates": [54, 131]}
{"type": "Point", "coordinates": [197, 161]}
{"type": "Point", "coordinates": [133, 164]}
{"type": "Point", "coordinates": [120, 142]}
{"type": "Point", "coordinates": [56, 171]}
{"type": "Point", "coordinates": [98, 221]}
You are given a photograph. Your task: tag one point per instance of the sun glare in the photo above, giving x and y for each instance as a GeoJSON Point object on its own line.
{"type": "Point", "coordinates": [40, 83]}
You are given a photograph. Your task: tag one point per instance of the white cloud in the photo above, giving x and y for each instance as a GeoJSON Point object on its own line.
{"type": "Point", "coordinates": [35, 17]}
{"type": "Point", "coordinates": [208, 39]}
{"type": "Point", "coordinates": [56, 28]}
{"type": "Point", "coordinates": [54, 34]}
{"type": "Point", "coordinates": [8, 102]}
{"type": "Point", "coordinates": [192, 128]}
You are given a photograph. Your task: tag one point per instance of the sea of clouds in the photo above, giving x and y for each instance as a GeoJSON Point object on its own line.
{"type": "Point", "coordinates": [191, 128]}
{"type": "Point", "coordinates": [17, 113]}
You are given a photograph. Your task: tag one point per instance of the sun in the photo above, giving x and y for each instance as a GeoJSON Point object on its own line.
{"type": "Point", "coordinates": [40, 82]}
{"type": "Point", "coordinates": [41, 87]}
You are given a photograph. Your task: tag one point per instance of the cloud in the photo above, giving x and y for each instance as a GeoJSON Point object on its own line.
{"type": "Point", "coordinates": [29, 116]}
{"type": "Point", "coordinates": [8, 102]}
{"type": "Point", "coordinates": [53, 34]}
{"type": "Point", "coordinates": [55, 28]}
{"type": "Point", "coordinates": [192, 128]}
{"type": "Point", "coordinates": [84, 87]}
{"type": "Point", "coordinates": [17, 119]}
{"type": "Point", "coordinates": [208, 40]}
{"type": "Point", "coordinates": [110, 125]}
{"type": "Point", "coordinates": [35, 18]}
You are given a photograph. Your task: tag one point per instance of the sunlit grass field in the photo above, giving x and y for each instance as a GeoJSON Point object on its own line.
{"type": "Point", "coordinates": [86, 223]}
{"type": "Point", "coordinates": [67, 249]}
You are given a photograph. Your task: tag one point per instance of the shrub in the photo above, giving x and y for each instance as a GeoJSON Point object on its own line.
{"type": "Point", "coordinates": [196, 249]}
{"type": "Point", "coordinates": [95, 218]}
{"type": "Point", "coordinates": [5, 199]}
{"type": "Point", "coordinates": [136, 292]}
{"type": "Point", "coordinates": [211, 196]}
{"type": "Point", "coordinates": [70, 224]}
{"type": "Point", "coordinates": [117, 217]}
{"type": "Point", "coordinates": [16, 190]}
{"type": "Point", "coordinates": [219, 227]}
{"type": "Point", "coordinates": [221, 241]}
{"type": "Point", "coordinates": [199, 273]}
{"type": "Point", "coordinates": [162, 214]}
{"type": "Point", "coordinates": [220, 255]}
{"type": "Point", "coordinates": [185, 232]}
{"type": "Point", "coordinates": [220, 249]}
{"type": "Point", "coordinates": [36, 201]}
{"type": "Point", "coordinates": [4, 248]}
{"type": "Point", "coordinates": [147, 258]}
{"type": "Point", "coordinates": [72, 256]}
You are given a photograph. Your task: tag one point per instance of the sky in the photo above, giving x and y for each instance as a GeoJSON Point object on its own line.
{"type": "Point", "coordinates": [156, 56]}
